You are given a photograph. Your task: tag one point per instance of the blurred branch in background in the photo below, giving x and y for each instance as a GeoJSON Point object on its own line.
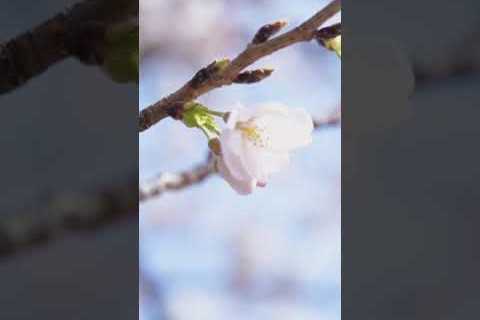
{"type": "Point", "coordinates": [329, 121]}
{"type": "Point", "coordinates": [68, 212]}
{"type": "Point", "coordinates": [215, 76]}
{"type": "Point", "coordinates": [79, 32]}
{"type": "Point", "coordinates": [176, 181]}
{"type": "Point", "coordinates": [464, 60]}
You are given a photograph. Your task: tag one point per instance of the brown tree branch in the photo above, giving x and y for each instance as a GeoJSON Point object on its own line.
{"type": "Point", "coordinates": [176, 181]}
{"type": "Point", "coordinates": [225, 76]}
{"type": "Point", "coordinates": [78, 32]}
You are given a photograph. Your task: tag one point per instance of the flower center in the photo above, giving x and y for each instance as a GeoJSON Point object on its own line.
{"type": "Point", "coordinates": [253, 133]}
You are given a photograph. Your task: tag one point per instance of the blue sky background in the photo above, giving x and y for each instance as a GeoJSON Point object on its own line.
{"type": "Point", "coordinates": [207, 252]}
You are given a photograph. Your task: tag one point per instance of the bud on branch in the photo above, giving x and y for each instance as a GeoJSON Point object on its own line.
{"type": "Point", "coordinates": [267, 31]}
{"type": "Point", "coordinates": [331, 38]}
{"type": "Point", "coordinates": [207, 72]}
{"type": "Point", "coordinates": [328, 33]}
{"type": "Point", "coordinates": [253, 76]}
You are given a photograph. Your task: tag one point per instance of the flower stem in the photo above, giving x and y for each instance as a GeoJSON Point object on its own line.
{"type": "Point", "coordinates": [208, 133]}
{"type": "Point", "coordinates": [216, 113]}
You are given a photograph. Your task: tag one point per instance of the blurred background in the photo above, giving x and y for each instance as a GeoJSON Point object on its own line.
{"type": "Point", "coordinates": [206, 252]}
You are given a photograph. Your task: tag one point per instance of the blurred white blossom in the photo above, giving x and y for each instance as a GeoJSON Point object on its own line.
{"type": "Point", "coordinates": [182, 27]}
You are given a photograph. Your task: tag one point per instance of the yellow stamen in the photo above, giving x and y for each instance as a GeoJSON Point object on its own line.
{"type": "Point", "coordinates": [253, 133]}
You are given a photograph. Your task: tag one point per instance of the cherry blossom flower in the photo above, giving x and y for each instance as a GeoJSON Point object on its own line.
{"type": "Point", "coordinates": [257, 143]}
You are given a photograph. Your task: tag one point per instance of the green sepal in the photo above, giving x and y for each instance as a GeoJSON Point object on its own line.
{"type": "Point", "coordinates": [196, 115]}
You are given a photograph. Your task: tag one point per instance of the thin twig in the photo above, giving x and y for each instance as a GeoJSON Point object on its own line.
{"type": "Point", "coordinates": [329, 121]}
{"type": "Point", "coordinates": [176, 181]}
{"type": "Point", "coordinates": [254, 52]}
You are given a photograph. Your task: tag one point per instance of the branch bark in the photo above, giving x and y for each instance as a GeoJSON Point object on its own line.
{"type": "Point", "coordinates": [78, 32]}
{"type": "Point", "coordinates": [254, 52]}
{"type": "Point", "coordinates": [176, 181]}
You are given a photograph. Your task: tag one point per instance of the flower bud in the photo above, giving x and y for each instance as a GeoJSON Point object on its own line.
{"type": "Point", "coordinates": [267, 31]}
{"type": "Point", "coordinates": [252, 76]}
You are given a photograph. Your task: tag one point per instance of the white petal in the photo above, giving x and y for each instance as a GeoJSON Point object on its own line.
{"type": "Point", "coordinates": [242, 187]}
{"type": "Point", "coordinates": [232, 119]}
{"type": "Point", "coordinates": [270, 108]}
{"type": "Point", "coordinates": [231, 143]}
{"type": "Point", "coordinates": [238, 113]}
{"type": "Point", "coordinates": [261, 163]}
{"type": "Point", "coordinates": [285, 129]}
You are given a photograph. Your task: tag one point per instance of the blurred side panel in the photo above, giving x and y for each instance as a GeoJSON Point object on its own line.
{"type": "Point", "coordinates": [410, 90]}
{"type": "Point", "coordinates": [69, 160]}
